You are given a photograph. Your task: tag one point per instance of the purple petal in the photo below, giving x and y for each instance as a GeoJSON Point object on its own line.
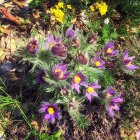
{"type": "Point", "coordinates": [110, 112]}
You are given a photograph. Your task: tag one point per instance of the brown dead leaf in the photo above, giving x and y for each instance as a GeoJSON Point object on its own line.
{"type": "Point", "coordinates": [19, 3]}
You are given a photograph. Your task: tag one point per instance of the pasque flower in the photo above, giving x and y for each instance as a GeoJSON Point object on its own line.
{"type": "Point", "coordinates": [60, 71]}
{"type": "Point", "coordinates": [70, 33]}
{"type": "Point", "coordinates": [59, 49]}
{"type": "Point", "coordinates": [114, 105]}
{"type": "Point", "coordinates": [32, 47]}
{"type": "Point", "coordinates": [40, 77]}
{"type": "Point", "coordinates": [109, 49]}
{"type": "Point", "coordinates": [77, 81]}
{"type": "Point", "coordinates": [127, 61]}
{"type": "Point", "coordinates": [83, 58]}
{"type": "Point", "coordinates": [51, 41]}
{"type": "Point", "coordinates": [90, 90]}
{"type": "Point", "coordinates": [110, 92]}
{"type": "Point", "coordinates": [50, 111]}
{"type": "Point", "coordinates": [98, 62]}
{"type": "Point", "coordinates": [92, 38]}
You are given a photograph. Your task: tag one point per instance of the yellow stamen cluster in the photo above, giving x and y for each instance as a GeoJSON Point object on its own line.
{"type": "Point", "coordinates": [57, 12]}
{"type": "Point", "coordinates": [61, 73]}
{"type": "Point", "coordinates": [102, 7]}
{"type": "Point", "coordinates": [51, 110]}
{"type": "Point", "coordinates": [109, 50]}
{"type": "Point", "coordinates": [129, 64]}
{"type": "Point", "coordinates": [77, 79]}
{"type": "Point", "coordinates": [97, 63]}
{"type": "Point", "coordinates": [90, 90]}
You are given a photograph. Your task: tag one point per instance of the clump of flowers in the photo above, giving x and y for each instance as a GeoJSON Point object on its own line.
{"type": "Point", "coordinates": [50, 111]}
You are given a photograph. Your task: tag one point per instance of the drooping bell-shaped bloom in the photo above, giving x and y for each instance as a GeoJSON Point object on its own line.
{"type": "Point", "coordinates": [60, 71]}
{"type": "Point", "coordinates": [114, 105]}
{"type": "Point", "coordinates": [50, 111]}
{"type": "Point", "coordinates": [76, 42]}
{"type": "Point", "coordinates": [40, 77]}
{"type": "Point", "coordinates": [59, 49]}
{"type": "Point", "coordinates": [127, 61]}
{"type": "Point", "coordinates": [51, 41]}
{"type": "Point", "coordinates": [92, 39]}
{"type": "Point", "coordinates": [98, 62]}
{"type": "Point", "coordinates": [32, 47]}
{"type": "Point", "coordinates": [70, 33]}
{"type": "Point", "coordinates": [110, 92]}
{"type": "Point", "coordinates": [109, 49]}
{"type": "Point", "coordinates": [77, 81]}
{"type": "Point", "coordinates": [83, 58]}
{"type": "Point", "coordinates": [90, 90]}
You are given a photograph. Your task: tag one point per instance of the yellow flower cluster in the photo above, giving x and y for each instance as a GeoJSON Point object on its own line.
{"type": "Point", "coordinates": [57, 12]}
{"type": "Point", "coordinates": [102, 7]}
{"type": "Point", "coordinates": [92, 8]}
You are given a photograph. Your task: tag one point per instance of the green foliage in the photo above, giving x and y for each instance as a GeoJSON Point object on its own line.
{"type": "Point", "coordinates": [107, 79]}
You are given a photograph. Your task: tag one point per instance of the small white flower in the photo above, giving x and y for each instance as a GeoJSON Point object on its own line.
{"type": "Point", "coordinates": [106, 21]}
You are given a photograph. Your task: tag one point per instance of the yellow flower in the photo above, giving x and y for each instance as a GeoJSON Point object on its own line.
{"type": "Point", "coordinates": [102, 7]}
{"type": "Point", "coordinates": [92, 8]}
{"type": "Point", "coordinates": [60, 4]}
{"type": "Point", "coordinates": [58, 13]}
{"type": "Point", "coordinates": [69, 6]}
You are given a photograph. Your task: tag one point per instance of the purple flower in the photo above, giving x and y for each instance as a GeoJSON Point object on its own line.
{"type": "Point", "coordinates": [127, 61]}
{"type": "Point", "coordinates": [40, 77]}
{"type": "Point", "coordinates": [51, 41]}
{"type": "Point", "coordinates": [90, 90]}
{"type": "Point", "coordinates": [114, 105]}
{"type": "Point", "coordinates": [59, 50]}
{"type": "Point", "coordinates": [51, 112]}
{"type": "Point", "coordinates": [70, 33]}
{"type": "Point", "coordinates": [59, 71]}
{"type": "Point", "coordinates": [110, 91]}
{"type": "Point", "coordinates": [77, 81]}
{"type": "Point", "coordinates": [109, 49]}
{"type": "Point", "coordinates": [138, 134]}
{"type": "Point", "coordinates": [98, 62]}
{"type": "Point", "coordinates": [32, 47]}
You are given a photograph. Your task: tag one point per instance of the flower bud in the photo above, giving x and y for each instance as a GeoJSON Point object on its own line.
{"type": "Point", "coordinates": [83, 59]}
{"type": "Point", "coordinates": [32, 47]}
{"type": "Point", "coordinates": [76, 42]}
{"type": "Point", "coordinates": [59, 50]}
{"type": "Point", "coordinates": [92, 39]}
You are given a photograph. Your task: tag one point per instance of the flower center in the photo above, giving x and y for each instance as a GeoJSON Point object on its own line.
{"type": "Point", "coordinates": [128, 64]}
{"type": "Point", "coordinates": [109, 50]}
{"type": "Point", "coordinates": [90, 90]}
{"type": "Point", "coordinates": [50, 110]}
{"type": "Point", "coordinates": [77, 79]}
{"type": "Point", "coordinates": [97, 63]}
{"type": "Point", "coordinates": [61, 73]}
{"type": "Point", "coordinates": [108, 94]}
